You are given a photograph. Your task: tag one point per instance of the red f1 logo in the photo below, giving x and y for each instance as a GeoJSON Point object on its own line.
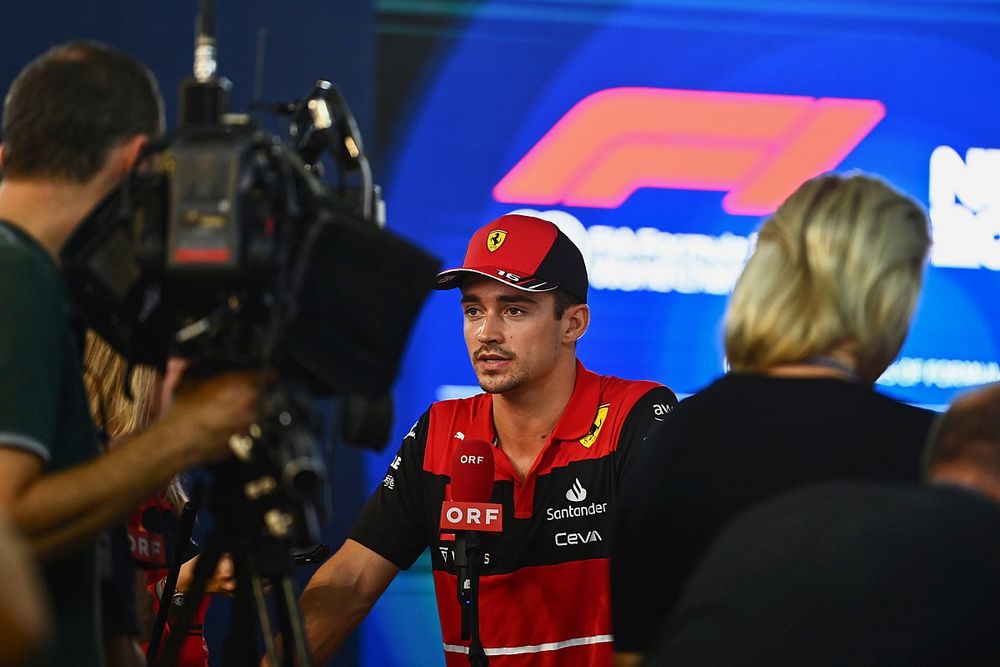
{"type": "Point", "coordinates": [758, 148]}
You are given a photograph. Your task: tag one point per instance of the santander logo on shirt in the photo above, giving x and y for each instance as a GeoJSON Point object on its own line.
{"type": "Point", "coordinates": [577, 493]}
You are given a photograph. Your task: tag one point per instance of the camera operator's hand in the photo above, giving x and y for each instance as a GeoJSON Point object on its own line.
{"type": "Point", "coordinates": [206, 412]}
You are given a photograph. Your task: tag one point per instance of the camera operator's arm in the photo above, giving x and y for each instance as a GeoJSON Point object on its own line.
{"type": "Point", "coordinates": [340, 594]}
{"type": "Point", "coordinates": [57, 512]}
{"type": "Point", "coordinates": [24, 612]}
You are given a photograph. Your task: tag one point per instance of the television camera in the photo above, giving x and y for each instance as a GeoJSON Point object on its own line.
{"type": "Point", "coordinates": [226, 246]}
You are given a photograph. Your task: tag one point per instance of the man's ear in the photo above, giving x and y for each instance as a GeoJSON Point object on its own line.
{"type": "Point", "coordinates": [131, 150]}
{"type": "Point", "coordinates": [577, 320]}
{"type": "Point", "coordinates": [1, 156]}
{"type": "Point", "coordinates": [119, 161]}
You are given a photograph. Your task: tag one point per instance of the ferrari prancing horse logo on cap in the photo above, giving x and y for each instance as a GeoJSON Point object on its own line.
{"type": "Point", "coordinates": [495, 239]}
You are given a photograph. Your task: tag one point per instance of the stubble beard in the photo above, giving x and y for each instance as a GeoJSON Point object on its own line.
{"type": "Point", "coordinates": [500, 383]}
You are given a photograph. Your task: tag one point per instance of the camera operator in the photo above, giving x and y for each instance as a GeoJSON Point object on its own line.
{"type": "Point", "coordinates": [74, 123]}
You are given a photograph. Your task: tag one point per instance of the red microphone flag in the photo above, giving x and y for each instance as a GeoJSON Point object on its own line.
{"type": "Point", "coordinates": [471, 491]}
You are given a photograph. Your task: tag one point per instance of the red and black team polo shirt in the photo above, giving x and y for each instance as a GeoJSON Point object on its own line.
{"type": "Point", "coordinates": [545, 590]}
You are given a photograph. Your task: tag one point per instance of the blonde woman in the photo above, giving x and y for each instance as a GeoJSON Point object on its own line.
{"type": "Point", "coordinates": [820, 310]}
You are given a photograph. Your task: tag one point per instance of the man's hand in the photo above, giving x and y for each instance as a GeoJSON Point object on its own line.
{"type": "Point", "coordinates": [206, 412]}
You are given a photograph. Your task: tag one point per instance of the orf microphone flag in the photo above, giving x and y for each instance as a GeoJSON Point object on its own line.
{"type": "Point", "coordinates": [472, 472]}
{"type": "Point", "coordinates": [471, 490]}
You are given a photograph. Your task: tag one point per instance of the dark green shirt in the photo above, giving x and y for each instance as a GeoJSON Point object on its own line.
{"type": "Point", "coordinates": [43, 411]}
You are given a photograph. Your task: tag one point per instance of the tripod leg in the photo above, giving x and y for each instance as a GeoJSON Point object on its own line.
{"type": "Point", "coordinates": [265, 620]}
{"type": "Point", "coordinates": [203, 571]}
{"type": "Point", "coordinates": [290, 620]}
{"type": "Point", "coordinates": [240, 647]}
{"type": "Point", "coordinates": [181, 539]}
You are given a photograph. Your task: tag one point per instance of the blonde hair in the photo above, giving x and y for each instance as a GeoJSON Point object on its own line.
{"type": "Point", "coordinates": [104, 370]}
{"type": "Point", "coordinates": [840, 261]}
{"type": "Point", "coordinates": [116, 414]}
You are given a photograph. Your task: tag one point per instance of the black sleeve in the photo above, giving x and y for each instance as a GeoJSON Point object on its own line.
{"type": "Point", "coordinates": [642, 421]}
{"type": "Point", "coordinates": [393, 523]}
{"type": "Point", "coordinates": [649, 558]}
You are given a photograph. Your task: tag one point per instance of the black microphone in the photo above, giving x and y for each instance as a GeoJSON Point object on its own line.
{"type": "Point", "coordinates": [470, 513]}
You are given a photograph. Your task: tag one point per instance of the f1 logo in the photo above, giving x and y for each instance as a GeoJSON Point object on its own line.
{"type": "Point", "coordinates": [758, 148]}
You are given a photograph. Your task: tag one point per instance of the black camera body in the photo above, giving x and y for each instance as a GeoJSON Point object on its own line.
{"type": "Point", "coordinates": [225, 247]}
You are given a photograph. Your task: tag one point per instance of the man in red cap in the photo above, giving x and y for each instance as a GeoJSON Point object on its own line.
{"type": "Point", "coordinates": [562, 438]}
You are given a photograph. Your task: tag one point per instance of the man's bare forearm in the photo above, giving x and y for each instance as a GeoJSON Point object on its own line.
{"type": "Point", "coordinates": [24, 614]}
{"type": "Point", "coordinates": [340, 594]}
{"type": "Point", "coordinates": [59, 511]}
{"type": "Point", "coordinates": [329, 615]}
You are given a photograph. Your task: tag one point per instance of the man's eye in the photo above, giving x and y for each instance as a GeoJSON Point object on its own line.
{"type": "Point", "coordinates": [514, 310]}
{"type": "Point", "coordinates": [471, 312]}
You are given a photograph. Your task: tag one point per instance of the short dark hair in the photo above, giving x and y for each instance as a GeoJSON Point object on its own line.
{"type": "Point", "coordinates": [969, 433]}
{"type": "Point", "coordinates": [564, 300]}
{"type": "Point", "coordinates": [71, 105]}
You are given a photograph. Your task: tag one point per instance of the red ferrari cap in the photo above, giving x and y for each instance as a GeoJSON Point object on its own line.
{"type": "Point", "coordinates": [525, 252]}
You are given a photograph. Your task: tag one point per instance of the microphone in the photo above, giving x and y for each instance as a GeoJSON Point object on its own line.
{"type": "Point", "coordinates": [203, 99]}
{"type": "Point", "coordinates": [470, 508]}
{"type": "Point", "coordinates": [204, 45]}
{"type": "Point", "coordinates": [469, 513]}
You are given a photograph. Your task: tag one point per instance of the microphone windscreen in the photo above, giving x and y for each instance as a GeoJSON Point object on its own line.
{"type": "Point", "coordinates": [472, 472]}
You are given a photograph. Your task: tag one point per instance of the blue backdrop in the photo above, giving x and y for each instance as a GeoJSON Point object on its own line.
{"type": "Point", "coordinates": [492, 80]}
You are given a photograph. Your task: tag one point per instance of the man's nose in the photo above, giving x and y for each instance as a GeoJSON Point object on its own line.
{"type": "Point", "coordinates": [490, 329]}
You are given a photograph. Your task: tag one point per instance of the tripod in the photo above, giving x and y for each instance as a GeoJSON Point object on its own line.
{"type": "Point", "coordinates": [258, 537]}
{"type": "Point", "coordinates": [268, 565]}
